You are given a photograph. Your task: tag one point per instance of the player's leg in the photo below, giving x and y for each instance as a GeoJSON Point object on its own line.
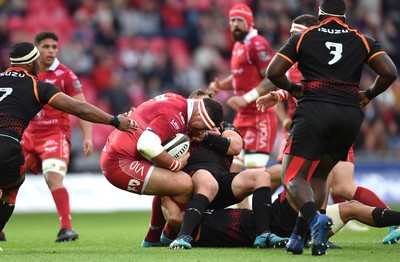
{"type": "Point", "coordinates": [11, 178]}
{"type": "Point", "coordinates": [276, 176]}
{"type": "Point", "coordinates": [157, 223]}
{"type": "Point", "coordinates": [54, 167]}
{"type": "Point", "coordinates": [257, 182]}
{"type": "Point", "coordinates": [237, 167]}
{"type": "Point", "coordinates": [205, 188]}
{"type": "Point", "coordinates": [297, 172]}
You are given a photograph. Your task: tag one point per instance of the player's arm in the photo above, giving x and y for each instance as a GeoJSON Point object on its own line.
{"type": "Point", "coordinates": [90, 113]}
{"type": "Point", "coordinates": [149, 145]}
{"type": "Point", "coordinates": [228, 142]}
{"type": "Point", "coordinates": [86, 128]}
{"type": "Point", "coordinates": [276, 72]}
{"type": "Point", "coordinates": [387, 74]}
{"type": "Point", "coordinates": [224, 84]}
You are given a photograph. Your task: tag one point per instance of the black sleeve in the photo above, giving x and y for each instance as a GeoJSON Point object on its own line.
{"type": "Point", "coordinates": [46, 91]}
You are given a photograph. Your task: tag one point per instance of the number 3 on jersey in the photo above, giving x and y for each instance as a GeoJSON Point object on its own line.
{"type": "Point", "coordinates": [336, 50]}
{"type": "Point", "coordinates": [6, 90]}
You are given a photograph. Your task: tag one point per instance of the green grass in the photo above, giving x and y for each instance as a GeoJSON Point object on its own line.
{"type": "Point", "coordinates": [117, 237]}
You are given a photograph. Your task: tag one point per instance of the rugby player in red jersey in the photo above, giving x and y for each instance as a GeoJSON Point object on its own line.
{"type": "Point", "coordinates": [47, 140]}
{"type": "Point", "coordinates": [139, 164]}
{"type": "Point", "coordinates": [251, 55]}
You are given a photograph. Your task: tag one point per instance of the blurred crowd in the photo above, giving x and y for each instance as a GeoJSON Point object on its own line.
{"type": "Point", "coordinates": [126, 51]}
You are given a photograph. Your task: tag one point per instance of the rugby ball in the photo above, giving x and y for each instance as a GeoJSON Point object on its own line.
{"type": "Point", "coordinates": [177, 146]}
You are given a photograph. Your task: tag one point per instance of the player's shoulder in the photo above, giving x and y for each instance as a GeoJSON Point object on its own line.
{"type": "Point", "coordinates": [258, 40]}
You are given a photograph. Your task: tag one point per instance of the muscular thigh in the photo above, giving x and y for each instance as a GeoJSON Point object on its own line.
{"type": "Point", "coordinates": [141, 177]}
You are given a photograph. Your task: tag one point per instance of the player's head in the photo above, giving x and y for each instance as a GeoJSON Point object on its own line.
{"type": "Point", "coordinates": [201, 93]}
{"type": "Point", "coordinates": [207, 114]}
{"type": "Point", "coordinates": [240, 21]}
{"type": "Point", "coordinates": [335, 8]}
{"type": "Point", "coordinates": [302, 22]}
{"type": "Point", "coordinates": [25, 54]}
{"type": "Point", "coordinates": [47, 43]}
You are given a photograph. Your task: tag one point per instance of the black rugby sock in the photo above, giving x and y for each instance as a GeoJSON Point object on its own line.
{"type": "Point", "coordinates": [302, 228]}
{"type": "Point", "coordinates": [308, 211]}
{"type": "Point", "coordinates": [6, 211]}
{"type": "Point", "coordinates": [193, 214]}
{"type": "Point", "coordinates": [385, 217]}
{"type": "Point", "coordinates": [262, 209]}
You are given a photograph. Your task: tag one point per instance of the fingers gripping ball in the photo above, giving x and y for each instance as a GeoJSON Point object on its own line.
{"type": "Point", "coordinates": [177, 146]}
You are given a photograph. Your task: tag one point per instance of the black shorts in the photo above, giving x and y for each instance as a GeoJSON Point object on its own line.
{"type": "Point", "coordinates": [224, 197]}
{"type": "Point", "coordinates": [11, 161]}
{"type": "Point", "coordinates": [283, 218]}
{"type": "Point", "coordinates": [320, 128]}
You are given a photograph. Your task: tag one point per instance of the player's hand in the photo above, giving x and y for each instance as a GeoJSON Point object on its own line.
{"type": "Point", "coordinates": [236, 102]}
{"type": "Point", "coordinates": [215, 86]}
{"type": "Point", "coordinates": [184, 160]}
{"type": "Point", "coordinates": [363, 99]}
{"type": "Point", "coordinates": [266, 101]}
{"type": "Point", "coordinates": [126, 124]}
{"type": "Point", "coordinates": [87, 147]}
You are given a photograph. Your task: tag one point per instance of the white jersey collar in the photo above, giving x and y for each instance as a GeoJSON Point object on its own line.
{"type": "Point", "coordinates": [54, 65]}
{"type": "Point", "coordinates": [252, 33]}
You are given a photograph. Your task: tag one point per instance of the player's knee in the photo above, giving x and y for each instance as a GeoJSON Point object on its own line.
{"type": "Point", "coordinates": [54, 165]}
{"type": "Point", "coordinates": [342, 191]}
{"type": "Point", "coordinates": [256, 160]}
{"type": "Point", "coordinates": [175, 221]}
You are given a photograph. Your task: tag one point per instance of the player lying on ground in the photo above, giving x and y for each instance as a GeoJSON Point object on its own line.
{"type": "Point", "coordinates": [236, 227]}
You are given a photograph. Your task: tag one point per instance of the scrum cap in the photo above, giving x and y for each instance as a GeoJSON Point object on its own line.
{"type": "Point", "coordinates": [24, 53]}
{"type": "Point", "coordinates": [242, 11]}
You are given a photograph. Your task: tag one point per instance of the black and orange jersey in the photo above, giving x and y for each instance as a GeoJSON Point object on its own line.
{"type": "Point", "coordinates": [331, 57]}
{"type": "Point", "coordinates": [21, 98]}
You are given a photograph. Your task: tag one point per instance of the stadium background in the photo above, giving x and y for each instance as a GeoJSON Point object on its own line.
{"type": "Point", "coordinates": [126, 51]}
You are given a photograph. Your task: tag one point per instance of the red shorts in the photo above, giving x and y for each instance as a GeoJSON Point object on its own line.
{"type": "Point", "coordinates": [126, 173]}
{"type": "Point", "coordinates": [258, 130]}
{"type": "Point", "coordinates": [37, 148]}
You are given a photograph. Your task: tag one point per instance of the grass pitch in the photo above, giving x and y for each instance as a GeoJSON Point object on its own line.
{"type": "Point", "coordinates": [117, 237]}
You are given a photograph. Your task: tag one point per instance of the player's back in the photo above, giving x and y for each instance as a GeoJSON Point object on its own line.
{"type": "Point", "coordinates": [165, 115]}
{"type": "Point", "coordinates": [21, 97]}
{"type": "Point", "coordinates": [331, 58]}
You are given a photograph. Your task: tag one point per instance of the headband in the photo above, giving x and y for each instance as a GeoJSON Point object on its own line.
{"type": "Point", "coordinates": [297, 28]}
{"type": "Point", "coordinates": [204, 115]}
{"type": "Point", "coordinates": [26, 59]}
{"type": "Point", "coordinates": [322, 12]}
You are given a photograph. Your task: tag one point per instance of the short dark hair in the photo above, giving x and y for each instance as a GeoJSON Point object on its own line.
{"type": "Point", "coordinates": [214, 110]}
{"type": "Point", "coordinates": [306, 20]}
{"type": "Point", "coordinates": [201, 92]}
{"type": "Point", "coordinates": [45, 34]}
{"type": "Point", "coordinates": [336, 7]}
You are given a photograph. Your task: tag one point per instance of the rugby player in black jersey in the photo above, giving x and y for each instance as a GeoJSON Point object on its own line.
{"type": "Point", "coordinates": [21, 98]}
{"type": "Point", "coordinates": [331, 57]}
